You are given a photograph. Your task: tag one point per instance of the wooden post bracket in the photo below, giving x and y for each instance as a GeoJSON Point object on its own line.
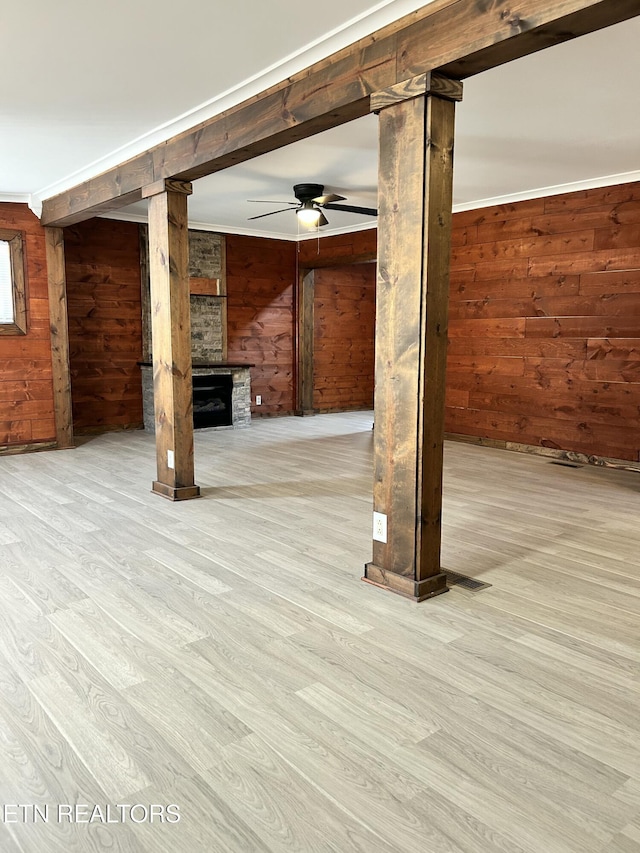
{"type": "Point", "coordinates": [167, 185]}
{"type": "Point", "coordinates": [429, 83]}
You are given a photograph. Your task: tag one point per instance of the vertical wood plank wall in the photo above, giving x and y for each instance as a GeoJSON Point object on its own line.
{"type": "Point", "coordinates": [545, 323]}
{"type": "Point", "coordinates": [26, 389]}
{"type": "Point", "coordinates": [261, 278]}
{"type": "Point", "coordinates": [344, 315]}
{"type": "Point", "coordinates": [105, 324]}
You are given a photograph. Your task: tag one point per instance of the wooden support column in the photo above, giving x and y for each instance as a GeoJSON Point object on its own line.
{"type": "Point", "coordinates": [59, 328]}
{"type": "Point", "coordinates": [305, 343]}
{"type": "Point", "coordinates": [414, 244]}
{"type": "Point", "coordinates": [171, 338]}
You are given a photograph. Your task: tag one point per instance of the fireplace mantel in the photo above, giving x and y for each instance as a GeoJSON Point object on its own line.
{"type": "Point", "coordinates": [198, 364]}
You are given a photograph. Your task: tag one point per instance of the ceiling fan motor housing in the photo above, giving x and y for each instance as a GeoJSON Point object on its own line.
{"type": "Point", "coordinates": [310, 199]}
{"type": "Point", "coordinates": [307, 192]}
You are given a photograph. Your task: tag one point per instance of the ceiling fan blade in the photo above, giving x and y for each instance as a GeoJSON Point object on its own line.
{"type": "Point", "coordinates": [322, 220]}
{"type": "Point", "coordinates": [329, 197]}
{"type": "Point", "coordinates": [352, 208]}
{"type": "Point", "coordinates": [271, 213]}
{"type": "Point", "coordinates": [266, 201]}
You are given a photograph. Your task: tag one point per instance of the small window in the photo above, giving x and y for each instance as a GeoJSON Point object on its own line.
{"type": "Point", "coordinates": [13, 310]}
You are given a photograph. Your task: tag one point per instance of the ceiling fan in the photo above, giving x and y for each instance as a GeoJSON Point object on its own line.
{"type": "Point", "coordinates": [309, 205]}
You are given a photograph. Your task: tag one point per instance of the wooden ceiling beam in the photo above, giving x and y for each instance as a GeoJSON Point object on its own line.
{"type": "Point", "coordinates": [467, 38]}
{"type": "Point", "coordinates": [459, 38]}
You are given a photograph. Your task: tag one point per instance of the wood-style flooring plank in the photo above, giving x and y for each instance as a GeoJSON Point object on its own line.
{"type": "Point", "coordinates": [287, 808]}
{"type": "Point", "coordinates": [223, 655]}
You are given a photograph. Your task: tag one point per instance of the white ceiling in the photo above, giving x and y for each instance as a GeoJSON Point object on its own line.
{"type": "Point", "coordinates": [95, 84]}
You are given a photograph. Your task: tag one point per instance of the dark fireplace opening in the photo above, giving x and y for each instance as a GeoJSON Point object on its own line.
{"type": "Point", "coordinates": [212, 401]}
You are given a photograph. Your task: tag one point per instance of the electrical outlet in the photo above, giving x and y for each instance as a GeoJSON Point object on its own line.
{"type": "Point", "coordinates": [379, 527]}
{"type": "Point", "coordinates": [258, 400]}
{"type": "Point", "coordinates": [170, 459]}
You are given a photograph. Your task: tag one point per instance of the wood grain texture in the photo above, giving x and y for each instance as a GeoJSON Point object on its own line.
{"type": "Point", "coordinates": [171, 333]}
{"type": "Point", "coordinates": [498, 35]}
{"type": "Point", "coordinates": [261, 280]}
{"type": "Point", "coordinates": [415, 193]}
{"type": "Point", "coordinates": [14, 240]}
{"type": "Point", "coordinates": [59, 327]}
{"type": "Point", "coordinates": [344, 331]}
{"type": "Point", "coordinates": [423, 84]}
{"type": "Point", "coordinates": [222, 290]}
{"type": "Point", "coordinates": [26, 408]}
{"type": "Point", "coordinates": [338, 249]}
{"type": "Point", "coordinates": [204, 286]}
{"type": "Point", "coordinates": [439, 133]}
{"type": "Point", "coordinates": [458, 38]}
{"type": "Point", "coordinates": [294, 708]}
{"type": "Point", "coordinates": [550, 358]}
{"type": "Point", "coordinates": [102, 261]}
{"type": "Point", "coordinates": [305, 342]}
{"type": "Point", "coordinates": [343, 337]}
{"type": "Point", "coordinates": [399, 295]}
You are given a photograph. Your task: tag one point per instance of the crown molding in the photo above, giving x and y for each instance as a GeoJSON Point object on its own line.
{"type": "Point", "coordinates": [380, 15]}
{"type": "Point", "coordinates": [332, 232]}
{"type": "Point", "coordinates": [557, 189]}
{"type": "Point", "coordinates": [246, 232]}
{"type": "Point", "coordinates": [510, 198]}
{"type": "Point", "coordinates": [202, 226]}
{"type": "Point", "coordinates": [34, 204]}
{"type": "Point", "coordinates": [16, 198]}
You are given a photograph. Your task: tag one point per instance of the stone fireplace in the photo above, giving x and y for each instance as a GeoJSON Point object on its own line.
{"type": "Point", "coordinates": [238, 381]}
{"type": "Point", "coordinates": [222, 391]}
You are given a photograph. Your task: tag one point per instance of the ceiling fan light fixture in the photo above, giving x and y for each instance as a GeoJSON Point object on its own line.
{"type": "Point", "coordinates": [311, 202]}
{"type": "Point", "coordinates": [309, 214]}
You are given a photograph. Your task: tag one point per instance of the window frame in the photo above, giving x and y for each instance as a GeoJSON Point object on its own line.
{"type": "Point", "coordinates": [16, 254]}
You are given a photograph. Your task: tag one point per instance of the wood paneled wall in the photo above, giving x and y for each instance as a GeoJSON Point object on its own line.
{"type": "Point", "coordinates": [105, 324]}
{"type": "Point", "coordinates": [260, 318]}
{"type": "Point", "coordinates": [26, 390]}
{"type": "Point", "coordinates": [344, 330]}
{"type": "Point", "coordinates": [545, 323]}
{"type": "Point", "coordinates": [357, 246]}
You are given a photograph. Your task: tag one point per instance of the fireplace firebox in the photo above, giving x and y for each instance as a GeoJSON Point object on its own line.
{"type": "Point", "coordinates": [212, 401]}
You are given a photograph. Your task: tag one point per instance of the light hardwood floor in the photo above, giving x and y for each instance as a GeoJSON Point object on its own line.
{"type": "Point", "coordinates": [222, 654]}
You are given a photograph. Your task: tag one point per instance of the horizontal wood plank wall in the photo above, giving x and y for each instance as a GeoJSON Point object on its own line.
{"type": "Point", "coordinates": [261, 275]}
{"type": "Point", "coordinates": [545, 323]}
{"type": "Point", "coordinates": [26, 389]}
{"type": "Point", "coordinates": [337, 249]}
{"type": "Point", "coordinates": [344, 326]}
{"type": "Point", "coordinates": [105, 324]}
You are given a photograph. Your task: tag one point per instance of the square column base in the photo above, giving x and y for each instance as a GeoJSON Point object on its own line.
{"type": "Point", "coordinates": [175, 493]}
{"type": "Point", "coordinates": [402, 585]}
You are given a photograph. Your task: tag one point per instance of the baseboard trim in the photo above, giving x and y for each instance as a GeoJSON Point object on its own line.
{"type": "Point", "coordinates": [98, 430]}
{"type": "Point", "coordinates": [256, 416]}
{"type": "Point", "coordinates": [17, 449]}
{"type": "Point", "coordinates": [338, 409]}
{"type": "Point", "coordinates": [550, 452]}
